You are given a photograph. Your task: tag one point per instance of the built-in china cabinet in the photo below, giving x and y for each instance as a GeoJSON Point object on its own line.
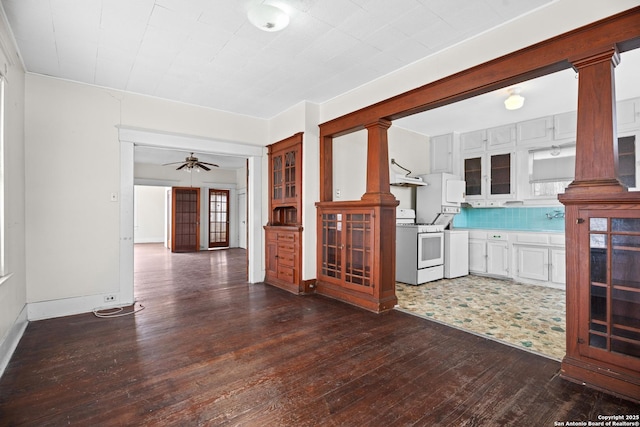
{"type": "Point", "coordinates": [283, 233]}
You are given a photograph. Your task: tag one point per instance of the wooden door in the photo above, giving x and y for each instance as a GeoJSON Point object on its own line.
{"type": "Point", "coordinates": [218, 218]}
{"type": "Point", "coordinates": [185, 224]}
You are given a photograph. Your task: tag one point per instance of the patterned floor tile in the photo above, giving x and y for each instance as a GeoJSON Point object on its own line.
{"type": "Point", "coordinates": [526, 316]}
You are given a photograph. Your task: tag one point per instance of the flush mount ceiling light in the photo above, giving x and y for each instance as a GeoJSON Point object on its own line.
{"type": "Point", "coordinates": [514, 101]}
{"type": "Point", "coordinates": [268, 18]}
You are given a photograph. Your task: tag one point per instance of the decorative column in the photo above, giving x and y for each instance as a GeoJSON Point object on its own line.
{"type": "Point", "coordinates": [596, 141]}
{"type": "Point", "coordinates": [594, 326]}
{"type": "Point", "coordinates": [378, 189]}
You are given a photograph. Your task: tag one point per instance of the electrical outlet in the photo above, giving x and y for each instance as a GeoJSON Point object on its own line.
{"type": "Point", "coordinates": [109, 298]}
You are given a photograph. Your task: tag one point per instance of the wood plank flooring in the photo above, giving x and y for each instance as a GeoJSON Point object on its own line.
{"type": "Point", "coordinates": [210, 349]}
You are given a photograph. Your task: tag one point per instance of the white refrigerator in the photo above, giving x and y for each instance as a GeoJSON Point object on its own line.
{"type": "Point", "coordinates": [456, 253]}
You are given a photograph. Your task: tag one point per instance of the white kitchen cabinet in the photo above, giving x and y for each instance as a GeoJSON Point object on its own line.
{"type": "Point", "coordinates": [477, 255]}
{"type": "Point", "coordinates": [473, 141]}
{"type": "Point", "coordinates": [501, 137]}
{"type": "Point", "coordinates": [628, 114]}
{"type": "Point", "coordinates": [539, 258]}
{"type": "Point", "coordinates": [532, 263]}
{"type": "Point", "coordinates": [536, 131]}
{"type": "Point", "coordinates": [498, 254]}
{"type": "Point", "coordinates": [489, 176]}
{"type": "Point", "coordinates": [489, 253]}
{"type": "Point", "coordinates": [441, 149]}
{"type": "Point", "coordinates": [565, 126]}
{"type": "Point", "coordinates": [558, 266]}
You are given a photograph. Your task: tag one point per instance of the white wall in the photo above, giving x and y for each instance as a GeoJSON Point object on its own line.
{"type": "Point", "coordinates": [411, 150]}
{"type": "Point", "coordinates": [13, 288]}
{"type": "Point", "coordinates": [150, 214]}
{"type": "Point", "coordinates": [72, 144]}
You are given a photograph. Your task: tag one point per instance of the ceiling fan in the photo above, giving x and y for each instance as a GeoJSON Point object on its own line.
{"type": "Point", "coordinates": [192, 162]}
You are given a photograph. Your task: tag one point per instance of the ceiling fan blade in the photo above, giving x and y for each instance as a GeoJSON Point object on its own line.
{"type": "Point", "coordinates": [173, 163]}
{"type": "Point", "coordinates": [180, 167]}
{"type": "Point", "coordinates": [201, 166]}
{"type": "Point", "coordinates": [210, 164]}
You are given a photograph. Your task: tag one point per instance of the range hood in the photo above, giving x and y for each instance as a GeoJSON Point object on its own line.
{"type": "Point", "coordinates": [400, 180]}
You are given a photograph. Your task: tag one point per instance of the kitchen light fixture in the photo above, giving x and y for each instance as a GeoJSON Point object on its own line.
{"type": "Point", "coordinates": [515, 100]}
{"type": "Point", "coordinates": [268, 18]}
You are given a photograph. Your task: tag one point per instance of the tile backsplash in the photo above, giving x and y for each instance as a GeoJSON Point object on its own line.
{"type": "Point", "coordinates": [512, 218]}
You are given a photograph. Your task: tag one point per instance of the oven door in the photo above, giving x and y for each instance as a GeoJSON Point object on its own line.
{"type": "Point", "coordinates": [430, 249]}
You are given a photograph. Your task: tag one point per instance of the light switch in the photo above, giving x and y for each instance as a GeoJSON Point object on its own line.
{"type": "Point", "coordinates": [114, 197]}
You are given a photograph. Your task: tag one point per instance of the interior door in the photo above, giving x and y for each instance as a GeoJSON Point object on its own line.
{"type": "Point", "coordinates": [185, 224]}
{"type": "Point", "coordinates": [218, 218]}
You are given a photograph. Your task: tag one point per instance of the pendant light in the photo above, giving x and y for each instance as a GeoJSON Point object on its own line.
{"type": "Point", "coordinates": [515, 100]}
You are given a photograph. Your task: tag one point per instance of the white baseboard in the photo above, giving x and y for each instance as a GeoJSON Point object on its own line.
{"type": "Point", "coordinates": [149, 240]}
{"type": "Point", "coordinates": [12, 338]}
{"type": "Point", "coordinates": [70, 306]}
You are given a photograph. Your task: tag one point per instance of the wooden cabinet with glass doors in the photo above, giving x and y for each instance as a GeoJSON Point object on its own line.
{"type": "Point", "coordinates": [283, 233]}
{"type": "Point", "coordinates": [606, 291]}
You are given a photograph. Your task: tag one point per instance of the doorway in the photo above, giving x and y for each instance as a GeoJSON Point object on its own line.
{"type": "Point", "coordinates": [218, 218]}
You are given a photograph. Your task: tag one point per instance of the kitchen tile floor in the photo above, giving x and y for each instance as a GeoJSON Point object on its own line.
{"type": "Point", "coordinates": [526, 316]}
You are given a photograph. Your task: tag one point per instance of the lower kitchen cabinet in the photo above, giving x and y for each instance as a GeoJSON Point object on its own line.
{"type": "Point", "coordinates": [536, 258]}
{"type": "Point", "coordinates": [539, 263]}
{"type": "Point", "coordinates": [489, 253]}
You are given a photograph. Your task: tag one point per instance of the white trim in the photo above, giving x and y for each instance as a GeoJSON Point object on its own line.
{"type": "Point", "coordinates": [130, 137]}
{"type": "Point", "coordinates": [12, 338]}
{"type": "Point", "coordinates": [71, 306]}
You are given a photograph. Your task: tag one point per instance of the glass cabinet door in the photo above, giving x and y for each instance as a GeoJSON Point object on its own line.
{"type": "Point", "coordinates": [473, 176]}
{"type": "Point", "coordinates": [277, 174]}
{"type": "Point", "coordinates": [614, 286]}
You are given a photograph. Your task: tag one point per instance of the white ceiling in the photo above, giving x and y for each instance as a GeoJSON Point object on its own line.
{"type": "Point", "coordinates": [205, 52]}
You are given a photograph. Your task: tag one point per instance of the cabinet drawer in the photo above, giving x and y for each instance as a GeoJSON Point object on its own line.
{"type": "Point", "coordinates": [286, 247]}
{"type": "Point", "coordinates": [498, 236]}
{"type": "Point", "coordinates": [286, 237]}
{"type": "Point", "coordinates": [540, 239]}
{"type": "Point", "coordinates": [286, 273]}
{"type": "Point", "coordinates": [286, 258]}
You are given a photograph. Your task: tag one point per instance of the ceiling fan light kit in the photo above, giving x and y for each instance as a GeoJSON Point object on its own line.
{"type": "Point", "coordinates": [190, 162]}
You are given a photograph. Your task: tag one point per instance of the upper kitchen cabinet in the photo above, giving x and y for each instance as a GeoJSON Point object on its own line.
{"type": "Point", "coordinates": [565, 125]}
{"type": "Point", "coordinates": [489, 176]}
{"type": "Point", "coordinates": [471, 142]}
{"type": "Point", "coordinates": [627, 160]}
{"type": "Point", "coordinates": [443, 152]}
{"type": "Point", "coordinates": [501, 137]}
{"type": "Point", "coordinates": [536, 131]}
{"type": "Point", "coordinates": [488, 139]}
{"type": "Point", "coordinates": [628, 114]}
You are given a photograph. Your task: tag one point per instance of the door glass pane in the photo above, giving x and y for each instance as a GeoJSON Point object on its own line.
{"type": "Point", "coordinates": [331, 241]}
{"type": "Point", "coordinates": [473, 176]}
{"type": "Point", "coordinates": [358, 268]}
{"type": "Point", "coordinates": [598, 264]}
{"type": "Point", "coordinates": [501, 174]}
{"type": "Point", "coordinates": [625, 261]}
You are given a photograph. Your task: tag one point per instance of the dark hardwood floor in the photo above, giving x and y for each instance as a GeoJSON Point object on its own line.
{"type": "Point", "coordinates": [210, 349]}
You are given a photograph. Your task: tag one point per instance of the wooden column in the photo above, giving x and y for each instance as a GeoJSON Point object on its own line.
{"type": "Point", "coordinates": [595, 192]}
{"type": "Point", "coordinates": [378, 189]}
{"type": "Point", "coordinates": [596, 141]}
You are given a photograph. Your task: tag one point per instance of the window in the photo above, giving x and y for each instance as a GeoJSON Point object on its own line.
{"type": "Point", "coordinates": [551, 170]}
